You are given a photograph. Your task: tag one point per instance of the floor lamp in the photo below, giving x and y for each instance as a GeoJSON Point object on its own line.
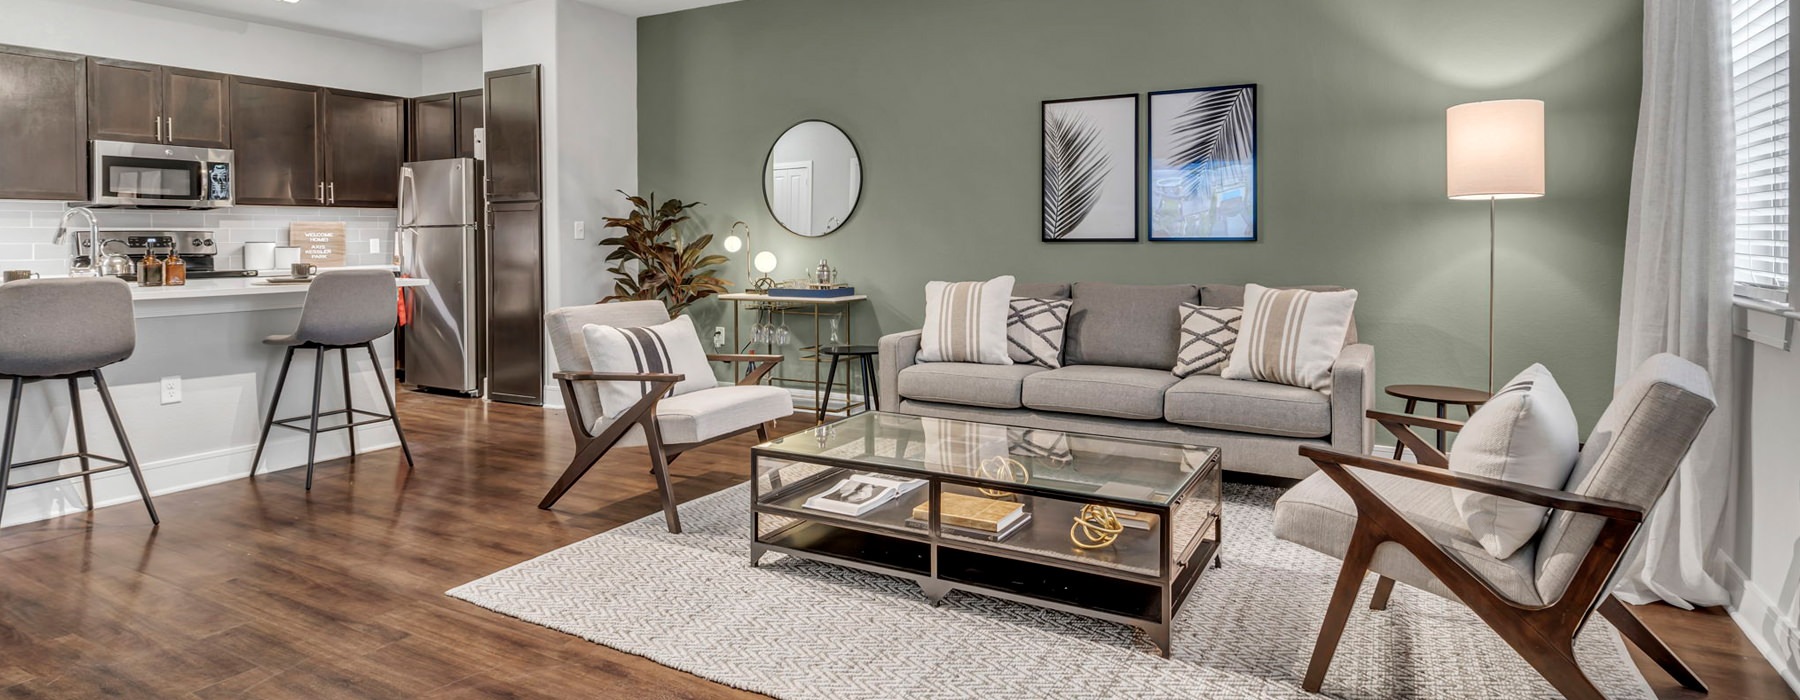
{"type": "Point", "coordinates": [1495, 151]}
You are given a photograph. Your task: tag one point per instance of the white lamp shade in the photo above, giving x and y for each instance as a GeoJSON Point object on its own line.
{"type": "Point", "coordinates": [733, 244]}
{"type": "Point", "coordinates": [765, 262]}
{"type": "Point", "coordinates": [1495, 149]}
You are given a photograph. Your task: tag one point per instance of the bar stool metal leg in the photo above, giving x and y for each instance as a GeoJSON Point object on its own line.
{"type": "Point", "coordinates": [81, 447]}
{"type": "Point", "coordinates": [349, 404]}
{"type": "Point", "coordinates": [830, 377]}
{"type": "Point", "coordinates": [393, 413]}
{"type": "Point", "coordinates": [274, 403]}
{"type": "Point", "coordinates": [312, 432]}
{"type": "Point", "coordinates": [12, 435]}
{"type": "Point", "coordinates": [131, 459]}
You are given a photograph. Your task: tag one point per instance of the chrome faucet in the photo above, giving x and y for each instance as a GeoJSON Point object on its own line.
{"type": "Point", "coordinates": [80, 265]}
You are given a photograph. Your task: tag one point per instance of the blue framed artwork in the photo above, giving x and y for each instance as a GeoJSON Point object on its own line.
{"type": "Point", "coordinates": [1202, 180]}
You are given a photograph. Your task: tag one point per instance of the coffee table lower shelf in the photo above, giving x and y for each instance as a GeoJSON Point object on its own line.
{"type": "Point", "coordinates": [1146, 604]}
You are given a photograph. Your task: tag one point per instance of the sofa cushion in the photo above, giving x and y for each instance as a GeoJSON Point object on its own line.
{"type": "Point", "coordinates": [1097, 390]}
{"type": "Point", "coordinates": [1208, 401]}
{"type": "Point", "coordinates": [966, 383]}
{"type": "Point", "coordinates": [1320, 516]}
{"type": "Point", "coordinates": [1233, 295]}
{"type": "Point", "coordinates": [1126, 325]}
{"type": "Point", "coordinates": [1041, 290]}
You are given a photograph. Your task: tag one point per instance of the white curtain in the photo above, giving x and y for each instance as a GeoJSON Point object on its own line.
{"type": "Point", "coordinates": [1677, 291]}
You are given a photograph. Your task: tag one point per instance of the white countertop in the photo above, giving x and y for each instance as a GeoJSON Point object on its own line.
{"type": "Point", "coordinates": [233, 286]}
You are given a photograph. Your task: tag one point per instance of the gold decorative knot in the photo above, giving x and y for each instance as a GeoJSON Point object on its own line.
{"type": "Point", "coordinates": [1096, 527]}
{"type": "Point", "coordinates": [1001, 468]}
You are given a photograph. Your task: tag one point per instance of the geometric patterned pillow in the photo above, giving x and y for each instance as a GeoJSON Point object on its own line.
{"type": "Point", "coordinates": [1034, 330]}
{"type": "Point", "coordinates": [1207, 336]}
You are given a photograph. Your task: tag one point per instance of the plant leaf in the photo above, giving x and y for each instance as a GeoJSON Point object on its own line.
{"type": "Point", "coordinates": [1074, 170]}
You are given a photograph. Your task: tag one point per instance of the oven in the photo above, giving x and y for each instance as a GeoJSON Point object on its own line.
{"type": "Point", "coordinates": [156, 175]}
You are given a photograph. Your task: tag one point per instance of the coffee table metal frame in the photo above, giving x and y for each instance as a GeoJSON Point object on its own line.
{"type": "Point", "coordinates": [858, 544]}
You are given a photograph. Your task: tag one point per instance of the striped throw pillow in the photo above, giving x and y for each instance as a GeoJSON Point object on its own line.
{"type": "Point", "coordinates": [1208, 333]}
{"type": "Point", "coordinates": [672, 347]}
{"type": "Point", "coordinates": [1291, 336]}
{"type": "Point", "coordinates": [966, 322]}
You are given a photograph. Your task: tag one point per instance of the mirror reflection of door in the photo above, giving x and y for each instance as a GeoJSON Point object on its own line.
{"type": "Point", "coordinates": [791, 198]}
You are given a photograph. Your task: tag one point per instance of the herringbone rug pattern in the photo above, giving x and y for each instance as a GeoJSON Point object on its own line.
{"type": "Point", "coordinates": [796, 629]}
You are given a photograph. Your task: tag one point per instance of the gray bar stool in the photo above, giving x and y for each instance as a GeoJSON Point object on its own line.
{"type": "Point", "coordinates": [66, 329]}
{"type": "Point", "coordinates": [344, 309]}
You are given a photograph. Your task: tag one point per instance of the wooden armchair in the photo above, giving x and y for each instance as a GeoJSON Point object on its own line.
{"type": "Point", "coordinates": [1397, 519]}
{"type": "Point", "coordinates": [666, 425]}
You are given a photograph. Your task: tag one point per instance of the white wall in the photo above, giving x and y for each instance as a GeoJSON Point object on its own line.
{"type": "Point", "coordinates": [1762, 568]}
{"type": "Point", "coordinates": [140, 32]}
{"type": "Point", "coordinates": [450, 70]}
{"type": "Point", "coordinates": [596, 152]}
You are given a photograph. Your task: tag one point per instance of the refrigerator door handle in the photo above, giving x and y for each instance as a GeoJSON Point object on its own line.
{"type": "Point", "coordinates": [409, 183]}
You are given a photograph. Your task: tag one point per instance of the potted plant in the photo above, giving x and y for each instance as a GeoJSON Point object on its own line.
{"type": "Point", "coordinates": [652, 261]}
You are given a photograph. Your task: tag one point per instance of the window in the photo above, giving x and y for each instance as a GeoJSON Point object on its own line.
{"type": "Point", "coordinates": [1759, 68]}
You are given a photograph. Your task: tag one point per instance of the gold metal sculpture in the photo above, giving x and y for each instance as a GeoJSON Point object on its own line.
{"type": "Point", "coordinates": [1096, 527]}
{"type": "Point", "coordinates": [1001, 468]}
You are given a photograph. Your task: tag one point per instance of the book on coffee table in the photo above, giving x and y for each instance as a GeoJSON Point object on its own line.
{"type": "Point", "coordinates": [975, 513]}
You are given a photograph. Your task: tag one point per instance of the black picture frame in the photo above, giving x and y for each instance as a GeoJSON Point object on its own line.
{"type": "Point", "coordinates": [1066, 166]}
{"type": "Point", "coordinates": [1227, 116]}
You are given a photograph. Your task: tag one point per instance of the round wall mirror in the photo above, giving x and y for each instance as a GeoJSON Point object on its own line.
{"type": "Point", "coordinates": [812, 178]}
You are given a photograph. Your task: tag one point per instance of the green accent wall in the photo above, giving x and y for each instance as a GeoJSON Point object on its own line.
{"type": "Point", "coordinates": [942, 99]}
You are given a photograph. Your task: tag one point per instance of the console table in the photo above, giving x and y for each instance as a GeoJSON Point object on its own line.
{"type": "Point", "coordinates": [819, 309]}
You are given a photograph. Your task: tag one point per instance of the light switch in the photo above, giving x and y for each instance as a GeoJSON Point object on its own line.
{"type": "Point", "coordinates": [374, 245]}
{"type": "Point", "coordinates": [580, 230]}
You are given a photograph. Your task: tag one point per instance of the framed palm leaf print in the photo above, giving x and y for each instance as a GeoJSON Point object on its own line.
{"type": "Point", "coordinates": [1202, 176]}
{"type": "Point", "coordinates": [1090, 169]}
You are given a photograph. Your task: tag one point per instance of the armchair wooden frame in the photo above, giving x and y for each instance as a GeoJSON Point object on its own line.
{"type": "Point", "coordinates": [1543, 635]}
{"type": "Point", "coordinates": [592, 446]}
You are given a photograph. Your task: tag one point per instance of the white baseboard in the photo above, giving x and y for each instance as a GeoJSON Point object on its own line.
{"type": "Point", "coordinates": [1762, 621]}
{"type": "Point", "coordinates": [1381, 450]}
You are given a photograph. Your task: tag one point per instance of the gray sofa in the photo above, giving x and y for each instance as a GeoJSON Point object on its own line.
{"type": "Point", "coordinates": [1116, 380]}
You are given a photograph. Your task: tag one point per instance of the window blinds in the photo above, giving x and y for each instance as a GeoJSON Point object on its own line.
{"type": "Point", "coordinates": [1759, 67]}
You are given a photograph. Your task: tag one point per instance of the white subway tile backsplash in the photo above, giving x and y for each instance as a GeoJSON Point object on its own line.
{"type": "Point", "coordinates": [27, 227]}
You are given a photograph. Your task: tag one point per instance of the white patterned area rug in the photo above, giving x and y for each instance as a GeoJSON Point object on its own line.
{"type": "Point", "coordinates": [798, 629]}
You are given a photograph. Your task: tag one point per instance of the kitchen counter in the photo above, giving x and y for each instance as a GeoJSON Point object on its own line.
{"type": "Point", "coordinates": [192, 398]}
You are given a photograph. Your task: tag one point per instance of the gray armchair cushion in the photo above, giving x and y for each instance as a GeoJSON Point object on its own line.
{"type": "Point", "coordinates": [1041, 290]}
{"type": "Point", "coordinates": [1124, 325]}
{"type": "Point", "coordinates": [1233, 295]}
{"type": "Point", "coordinates": [1318, 515]}
{"type": "Point", "coordinates": [1206, 401]}
{"type": "Point", "coordinates": [1095, 390]}
{"type": "Point", "coordinates": [966, 383]}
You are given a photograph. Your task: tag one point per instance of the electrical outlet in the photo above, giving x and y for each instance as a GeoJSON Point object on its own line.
{"type": "Point", "coordinates": [718, 336]}
{"type": "Point", "coordinates": [580, 230]}
{"type": "Point", "coordinates": [171, 390]}
{"type": "Point", "coordinates": [374, 245]}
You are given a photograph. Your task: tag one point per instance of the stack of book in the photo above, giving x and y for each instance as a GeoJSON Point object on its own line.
{"type": "Point", "coordinates": [973, 516]}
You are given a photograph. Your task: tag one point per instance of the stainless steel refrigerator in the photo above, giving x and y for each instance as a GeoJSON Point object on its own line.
{"type": "Point", "coordinates": [439, 239]}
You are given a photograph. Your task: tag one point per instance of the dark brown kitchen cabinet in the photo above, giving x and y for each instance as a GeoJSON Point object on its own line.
{"type": "Point", "coordinates": [513, 110]}
{"type": "Point", "coordinates": [43, 125]}
{"type": "Point", "coordinates": [515, 336]}
{"type": "Point", "coordinates": [433, 134]}
{"type": "Point", "coordinates": [468, 119]}
{"type": "Point", "coordinates": [365, 144]}
{"type": "Point", "coordinates": [146, 103]}
{"type": "Point", "coordinates": [275, 128]}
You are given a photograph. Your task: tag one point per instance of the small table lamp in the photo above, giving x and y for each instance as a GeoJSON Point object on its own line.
{"type": "Point", "coordinates": [1494, 151]}
{"type": "Point", "coordinates": [740, 241]}
{"type": "Point", "coordinates": [765, 263]}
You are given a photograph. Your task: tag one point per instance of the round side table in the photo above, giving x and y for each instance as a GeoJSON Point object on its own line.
{"type": "Point", "coordinates": [863, 355]}
{"type": "Point", "coordinates": [1443, 396]}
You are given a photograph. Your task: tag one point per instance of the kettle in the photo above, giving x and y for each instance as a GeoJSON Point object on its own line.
{"type": "Point", "coordinates": [116, 264]}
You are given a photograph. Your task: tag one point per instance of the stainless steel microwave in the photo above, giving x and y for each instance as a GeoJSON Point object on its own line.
{"type": "Point", "coordinates": [156, 175]}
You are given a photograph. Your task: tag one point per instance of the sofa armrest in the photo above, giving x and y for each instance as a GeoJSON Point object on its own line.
{"type": "Point", "coordinates": [1352, 395]}
{"type": "Point", "coordinates": [898, 351]}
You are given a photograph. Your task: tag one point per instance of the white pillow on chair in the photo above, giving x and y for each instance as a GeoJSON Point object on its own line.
{"type": "Point", "coordinates": [672, 347]}
{"type": "Point", "coordinates": [1526, 434]}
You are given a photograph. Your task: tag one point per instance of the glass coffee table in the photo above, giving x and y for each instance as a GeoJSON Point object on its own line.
{"type": "Point", "coordinates": [1109, 528]}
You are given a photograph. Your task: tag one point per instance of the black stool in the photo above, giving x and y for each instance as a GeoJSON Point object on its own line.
{"type": "Point", "coordinates": [344, 309]}
{"type": "Point", "coordinates": [66, 329]}
{"type": "Point", "coordinates": [865, 355]}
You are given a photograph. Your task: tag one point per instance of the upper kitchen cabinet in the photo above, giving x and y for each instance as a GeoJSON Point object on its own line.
{"type": "Point", "coordinates": [43, 125]}
{"type": "Point", "coordinates": [468, 119]}
{"type": "Point", "coordinates": [365, 145]}
{"type": "Point", "coordinates": [146, 103]}
{"type": "Point", "coordinates": [513, 109]}
{"type": "Point", "coordinates": [276, 129]}
{"type": "Point", "coordinates": [433, 133]}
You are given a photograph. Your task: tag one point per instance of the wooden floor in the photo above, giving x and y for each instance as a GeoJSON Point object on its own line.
{"type": "Point", "coordinates": [257, 588]}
